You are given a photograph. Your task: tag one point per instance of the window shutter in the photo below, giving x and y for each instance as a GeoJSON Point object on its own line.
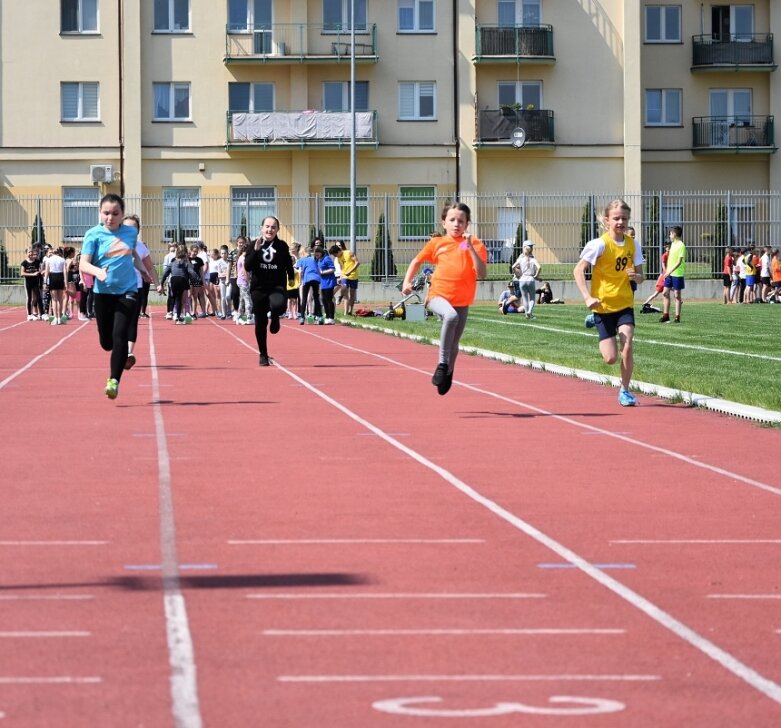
{"type": "Point", "coordinates": [89, 100]}
{"type": "Point", "coordinates": [70, 100]}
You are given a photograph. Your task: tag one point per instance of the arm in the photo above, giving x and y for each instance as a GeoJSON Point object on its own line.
{"type": "Point", "coordinates": [406, 287]}
{"type": "Point", "coordinates": [580, 279]}
{"type": "Point", "coordinates": [477, 261]}
{"type": "Point", "coordinates": [151, 272]}
{"type": "Point", "coordinates": [85, 266]}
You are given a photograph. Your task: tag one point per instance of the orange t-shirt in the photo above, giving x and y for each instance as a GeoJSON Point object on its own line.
{"type": "Point", "coordinates": [455, 278]}
{"type": "Point", "coordinates": [775, 270]}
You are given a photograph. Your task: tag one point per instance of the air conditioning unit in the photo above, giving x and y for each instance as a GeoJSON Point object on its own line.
{"type": "Point", "coordinates": [101, 173]}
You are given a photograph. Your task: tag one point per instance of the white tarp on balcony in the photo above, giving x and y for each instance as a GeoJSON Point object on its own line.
{"type": "Point", "coordinates": [302, 125]}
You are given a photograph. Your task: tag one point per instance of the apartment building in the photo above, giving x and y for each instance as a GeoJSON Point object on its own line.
{"type": "Point", "coordinates": [248, 102]}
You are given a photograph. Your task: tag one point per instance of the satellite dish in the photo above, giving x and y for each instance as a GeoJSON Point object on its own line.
{"type": "Point", "coordinates": [518, 137]}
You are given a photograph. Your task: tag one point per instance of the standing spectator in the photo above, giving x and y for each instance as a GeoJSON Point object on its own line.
{"type": "Point", "coordinates": [751, 276]}
{"type": "Point", "coordinates": [224, 286]}
{"type": "Point", "coordinates": [109, 254]}
{"type": "Point", "coordinates": [54, 275]}
{"type": "Point", "coordinates": [243, 314]}
{"type": "Point", "coordinates": [348, 263]}
{"type": "Point", "coordinates": [197, 296]}
{"type": "Point", "coordinates": [614, 260]}
{"type": "Point", "coordinates": [293, 286]}
{"type": "Point", "coordinates": [31, 272]}
{"type": "Point", "coordinates": [46, 295]}
{"type": "Point", "coordinates": [726, 275]}
{"type": "Point", "coordinates": [764, 274]}
{"type": "Point", "coordinates": [270, 267]}
{"type": "Point", "coordinates": [179, 273]}
{"type": "Point", "coordinates": [72, 280]}
{"type": "Point", "coordinates": [674, 275]}
{"type": "Point", "coordinates": [212, 282]}
{"type": "Point", "coordinates": [775, 274]}
{"type": "Point", "coordinates": [526, 270]}
{"type": "Point", "coordinates": [659, 287]}
{"type": "Point", "coordinates": [460, 260]}
{"type": "Point", "coordinates": [167, 260]}
{"type": "Point", "coordinates": [327, 270]}
{"type": "Point", "coordinates": [310, 283]}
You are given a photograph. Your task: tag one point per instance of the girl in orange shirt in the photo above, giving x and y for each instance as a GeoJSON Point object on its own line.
{"type": "Point", "coordinates": [460, 260]}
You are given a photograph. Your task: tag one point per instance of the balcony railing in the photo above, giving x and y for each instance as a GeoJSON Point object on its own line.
{"type": "Point", "coordinates": [733, 133]}
{"type": "Point", "coordinates": [498, 43]}
{"type": "Point", "coordinates": [754, 51]}
{"type": "Point", "coordinates": [495, 126]}
{"type": "Point", "coordinates": [302, 128]}
{"type": "Point", "coordinates": [298, 42]}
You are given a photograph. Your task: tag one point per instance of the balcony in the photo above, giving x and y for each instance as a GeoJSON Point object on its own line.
{"type": "Point", "coordinates": [495, 127]}
{"type": "Point", "coordinates": [304, 129]}
{"type": "Point", "coordinates": [744, 134]}
{"type": "Point", "coordinates": [734, 53]}
{"type": "Point", "coordinates": [498, 44]}
{"type": "Point", "coordinates": [288, 43]}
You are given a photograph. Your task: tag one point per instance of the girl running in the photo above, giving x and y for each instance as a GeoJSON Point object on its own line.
{"type": "Point", "coordinates": [109, 254]}
{"type": "Point", "coordinates": [460, 260]}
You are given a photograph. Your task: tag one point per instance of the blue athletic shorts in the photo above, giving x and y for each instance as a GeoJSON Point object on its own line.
{"type": "Point", "coordinates": [675, 282]}
{"type": "Point", "coordinates": [607, 324]}
{"type": "Point", "coordinates": [751, 281]}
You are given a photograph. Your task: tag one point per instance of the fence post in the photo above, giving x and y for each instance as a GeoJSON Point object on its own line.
{"type": "Point", "coordinates": [38, 222]}
{"type": "Point", "coordinates": [385, 239]}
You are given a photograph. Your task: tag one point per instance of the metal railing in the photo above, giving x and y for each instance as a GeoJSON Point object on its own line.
{"type": "Point", "coordinates": [746, 49]}
{"type": "Point", "coordinates": [516, 42]}
{"type": "Point", "coordinates": [392, 228]}
{"type": "Point", "coordinates": [733, 133]}
{"type": "Point", "coordinates": [297, 42]}
{"type": "Point", "coordinates": [497, 125]}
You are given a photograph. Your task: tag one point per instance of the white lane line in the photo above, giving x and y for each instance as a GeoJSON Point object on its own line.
{"type": "Point", "coordinates": [12, 326]}
{"type": "Point", "coordinates": [568, 420]}
{"type": "Point", "coordinates": [464, 678]}
{"type": "Point", "coordinates": [698, 541]}
{"type": "Point", "coordinates": [54, 680]}
{"type": "Point", "coordinates": [36, 359]}
{"type": "Point", "coordinates": [53, 543]}
{"type": "Point", "coordinates": [45, 597]}
{"type": "Point", "coordinates": [396, 595]}
{"type": "Point", "coordinates": [363, 541]}
{"type": "Point", "coordinates": [34, 634]}
{"type": "Point", "coordinates": [181, 655]}
{"type": "Point", "coordinates": [655, 342]}
{"type": "Point", "coordinates": [530, 631]}
{"type": "Point", "coordinates": [728, 661]}
{"type": "Point", "coordinates": [758, 597]}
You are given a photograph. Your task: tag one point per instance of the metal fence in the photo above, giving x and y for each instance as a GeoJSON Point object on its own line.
{"type": "Point", "coordinates": [392, 228]}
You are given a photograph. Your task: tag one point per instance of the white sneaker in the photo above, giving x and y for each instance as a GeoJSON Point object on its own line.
{"type": "Point", "coordinates": [169, 315]}
{"type": "Point", "coordinates": [30, 317]}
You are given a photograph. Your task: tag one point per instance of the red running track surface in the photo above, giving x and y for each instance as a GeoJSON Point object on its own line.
{"type": "Point", "coordinates": [327, 542]}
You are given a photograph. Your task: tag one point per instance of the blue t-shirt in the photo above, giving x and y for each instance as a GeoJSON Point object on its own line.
{"type": "Point", "coordinates": [309, 270]}
{"type": "Point", "coordinates": [327, 280]}
{"type": "Point", "coordinates": [113, 251]}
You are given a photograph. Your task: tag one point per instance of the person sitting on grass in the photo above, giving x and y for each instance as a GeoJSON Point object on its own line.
{"type": "Point", "coordinates": [508, 301]}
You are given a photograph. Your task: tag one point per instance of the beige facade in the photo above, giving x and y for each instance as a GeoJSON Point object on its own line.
{"type": "Point", "coordinates": [588, 67]}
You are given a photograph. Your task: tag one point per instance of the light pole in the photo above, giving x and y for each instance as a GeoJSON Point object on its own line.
{"type": "Point", "coordinates": [352, 126]}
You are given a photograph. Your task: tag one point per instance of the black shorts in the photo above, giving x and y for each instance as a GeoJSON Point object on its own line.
{"type": "Point", "coordinates": [56, 281]}
{"type": "Point", "coordinates": [726, 279]}
{"type": "Point", "coordinates": [292, 294]}
{"type": "Point", "coordinates": [607, 324]}
{"type": "Point", "coordinates": [214, 278]}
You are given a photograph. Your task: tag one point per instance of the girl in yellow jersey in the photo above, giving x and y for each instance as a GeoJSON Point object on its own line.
{"type": "Point", "coordinates": [615, 260]}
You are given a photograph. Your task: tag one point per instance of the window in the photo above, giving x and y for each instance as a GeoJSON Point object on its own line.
{"type": "Point", "coordinates": [247, 15]}
{"type": "Point", "coordinates": [416, 16]}
{"type": "Point", "coordinates": [731, 104]}
{"type": "Point", "coordinates": [249, 205]}
{"type": "Point", "coordinates": [172, 16]}
{"type": "Point", "coordinates": [336, 96]}
{"type": "Point", "coordinates": [732, 22]}
{"type": "Point", "coordinates": [336, 15]}
{"type": "Point", "coordinates": [337, 212]}
{"type": "Point", "coordinates": [181, 216]}
{"type": "Point", "coordinates": [417, 212]}
{"type": "Point", "coordinates": [663, 107]}
{"type": "Point", "coordinates": [171, 102]}
{"type": "Point", "coordinates": [250, 97]}
{"type": "Point", "coordinates": [523, 13]}
{"type": "Point", "coordinates": [78, 16]}
{"type": "Point", "coordinates": [79, 101]}
{"type": "Point", "coordinates": [417, 100]}
{"type": "Point", "coordinates": [80, 211]}
{"type": "Point", "coordinates": [528, 94]}
{"type": "Point", "coordinates": [663, 24]}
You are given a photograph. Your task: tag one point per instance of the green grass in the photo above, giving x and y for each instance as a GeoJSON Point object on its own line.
{"type": "Point", "coordinates": [729, 352]}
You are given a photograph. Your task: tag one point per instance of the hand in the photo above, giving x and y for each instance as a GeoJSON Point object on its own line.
{"type": "Point", "coordinates": [592, 303]}
{"type": "Point", "coordinates": [102, 274]}
{"type": "Point", "coordinates": [406, 289]}
{"type": "Point", "coordinates": [630, 272]}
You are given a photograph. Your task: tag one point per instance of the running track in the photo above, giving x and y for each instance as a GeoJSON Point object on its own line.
{"type": "Point", "coordinates": [328, 543]}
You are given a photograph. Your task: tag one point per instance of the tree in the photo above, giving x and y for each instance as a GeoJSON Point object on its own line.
{"type": "Point", "coordinates": [382, 242]}
{"type": "Point", "coordinates": [518, 245]}
{"type": "Point", "coordinates": [243, 225]}
{"type": "Point", "coordinates": [589, 224]}
{"type": "Point", "coordinates": [651, 239]}
{"type": "Point", "coordinates": [35, 242]}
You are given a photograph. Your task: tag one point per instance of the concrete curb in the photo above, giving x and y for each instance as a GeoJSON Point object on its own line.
{"type": "Point", "coordinates": [723, 406]}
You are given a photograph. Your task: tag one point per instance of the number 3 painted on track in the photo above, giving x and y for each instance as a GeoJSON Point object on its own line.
{"type": "Point", "coordinates": [584, 706]}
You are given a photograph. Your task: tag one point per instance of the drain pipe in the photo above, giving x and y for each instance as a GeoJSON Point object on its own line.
{"type": "Point", "coordinates": [456, 119]}
{"type": "Point", "coordinates": [121, 67]}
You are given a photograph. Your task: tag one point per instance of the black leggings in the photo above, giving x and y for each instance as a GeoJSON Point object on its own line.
{"type": "Point", "coordinates": [263, 301]}
{"type": "Point", "coordinates": [177, 286]}
{"type": "Point", "coordinates": [33, 288]}
{"type": "Point", "coordinates": [328, 302]}
{"type": "Point", "coordinates": [144, 297]}
{"type": "Point", "coordinates": [113, 314]}
{"type": "Point", "coordinates": [234, 292]}
{"type": "Point", "coordinates": [313, 286]}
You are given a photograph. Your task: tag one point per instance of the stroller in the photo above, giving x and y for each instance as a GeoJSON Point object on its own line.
{"type": "Point", "coordinates": [419, 283]}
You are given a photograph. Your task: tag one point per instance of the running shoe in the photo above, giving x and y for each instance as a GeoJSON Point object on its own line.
{"type": "Point", "coordinates": [590, 321]}
{"type": "Point", "coordinates": [665, 319]}
{"type": "Point", "coordinates": [444, 386]}
{"type": "Point", "coordinates": [112, 388]}
{"type": "Point", "coordinates": [131, 361]}
{"type": "Point", "coordinates": [264, 360]}
{"type": "Point", "coordinates": [440, 374]}
{"type": "Point", "coordinates": [626, 398]}
{"type": "Point", "coordinates": [274, 325]}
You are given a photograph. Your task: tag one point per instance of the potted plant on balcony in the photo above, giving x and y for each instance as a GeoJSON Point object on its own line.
{"type": "Point", "coordinates": [510, 109]}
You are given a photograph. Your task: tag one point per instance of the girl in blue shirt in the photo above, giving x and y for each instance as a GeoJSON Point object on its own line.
{"type": "Point", "coordinates": [109, 253]}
